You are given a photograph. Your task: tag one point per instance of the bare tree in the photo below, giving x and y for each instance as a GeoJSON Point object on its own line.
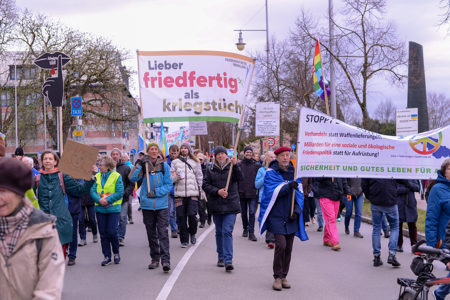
{"type": "Point", "coordinates": [95, 72]}
{"type": "Point", "coordinates": [445, 5]}
{"type": "Point", "coordinates": [367, 46]}
{"type": "Point", "coordinates": [385, 111]}
{"type": "Point", "coordinates": [438, 110]}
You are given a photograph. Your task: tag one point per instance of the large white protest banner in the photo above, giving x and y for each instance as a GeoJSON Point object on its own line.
{"type": "Point", "coordinates": [329, 147]}
{"type": "Point", "coordinates": [267, 119]}
{"type": "Point", "coordinates": [193, 85]}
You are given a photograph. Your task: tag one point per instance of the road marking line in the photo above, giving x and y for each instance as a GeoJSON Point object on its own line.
{"type": "Point", "coordinates": [167, 288]}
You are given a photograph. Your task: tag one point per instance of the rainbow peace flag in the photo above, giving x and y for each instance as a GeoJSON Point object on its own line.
{"type": "Point", "coordinates": [318, 78]}
{"type": "Point", "coordinates": [163, 141]}
{"type": "Point", "coordinates": [3, 136]}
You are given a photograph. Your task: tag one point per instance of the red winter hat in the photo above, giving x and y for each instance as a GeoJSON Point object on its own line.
{"type": "Point", "coordinates": [282, 149]}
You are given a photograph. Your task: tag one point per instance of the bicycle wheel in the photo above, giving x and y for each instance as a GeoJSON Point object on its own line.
{"type": "Point", "coordinates": [409, 294]}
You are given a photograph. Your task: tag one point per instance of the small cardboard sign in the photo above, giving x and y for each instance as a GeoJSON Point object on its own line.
{"type": "Point", "coordinates": [77, 160]}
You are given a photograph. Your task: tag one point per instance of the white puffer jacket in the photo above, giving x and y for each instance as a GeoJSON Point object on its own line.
{"type": "Point", "coordinates": [193, 178]}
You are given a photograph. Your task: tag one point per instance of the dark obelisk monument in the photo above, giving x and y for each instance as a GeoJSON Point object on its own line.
{"type": "Point", "coordinates": [417, 92]}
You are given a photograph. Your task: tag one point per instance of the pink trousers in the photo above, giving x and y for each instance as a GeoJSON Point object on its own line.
{"type": "Point", "coordinates": [330, 210]}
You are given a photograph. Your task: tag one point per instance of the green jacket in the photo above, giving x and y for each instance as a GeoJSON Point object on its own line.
{"type": "Point", "coordinates": [52, 201]}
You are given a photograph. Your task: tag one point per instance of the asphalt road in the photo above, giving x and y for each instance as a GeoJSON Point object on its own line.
{"type": "Point", "coordinates": [316, 272]}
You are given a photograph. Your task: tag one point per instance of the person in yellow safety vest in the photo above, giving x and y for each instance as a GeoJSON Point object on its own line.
{"type": "Point", "coordinates": [107, 193]}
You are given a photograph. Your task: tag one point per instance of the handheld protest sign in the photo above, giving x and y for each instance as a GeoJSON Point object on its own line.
{"type": "Point", "coordinates": [77, 160]}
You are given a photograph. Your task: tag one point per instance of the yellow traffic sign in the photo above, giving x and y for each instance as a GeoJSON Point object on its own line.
{"type": "Point", "coordinates": [78, 133]}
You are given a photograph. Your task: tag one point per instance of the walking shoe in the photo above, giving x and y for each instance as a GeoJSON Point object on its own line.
{"type": "Point", "coordinates": [393, 261]}
{"type": "Point", "coordinates": [327, 244]}
{"type": "Point", "coordinates": [174, 234]}
{"type": "Point", "coordinates": [89, 229]}
{"type": "Point", "coordinates": [193, 239]}
{"type": "Point", "coordinates": [229, 267]}
{"type": "Point", "coordinates": [271, 245]}
{"type": "Point", "coordinates": [184, 245]}
{"type": "Point", "coordinates": [252, 237]}
{"type": "Point", "coordinates": [202, 225]}
{"type": "Point", "coordinates": [131, 221]}
{"type": "Point", "coordinates": [307, 224]}
{"type": "Point", "coordinates": [106, 261]}
{"type": "Point", "coordinates": [245, 233]}
{"type": "Point", "coordinates": [220, 263]}
{"type": "Point", "coordinates": [95, 238]}
{"type": "Point", "coordinates": [358, 235]}
{"type": "Point", "coordinates": [116, 258]}
{"type": "Point", "coordinates": [153, 265]}
{"type": "Point", "coordinates": [313, 220]}
{"type": "Point", "coordinates": [386, 234]}
{"type": "Point", "coordinates": [347, 231]}
{"type": "Point", "coordinates": [285, 284]}
{"type": "Point", "coordinates": [121, 243]}
{"type": "Point", "coordinates": [377, 261]}
{"type": "Point", "coordinates": [336, 247]}
{"type": "Point", "coordinates": [339, 218]}
{"type": "Point", "coordinates": [320, 228]}
{"type": "Point", "coordinates": [277, 286]}
{"type": "Point", "coordinates": [71, 262]}
{"type": "Point", "coordinates": [82, 243]}
{"type": "Point", "coordinates": [399, 249]}
{"type": "Point", "coordinates": [139, 208]}
{"type": "Point", "coordinates": [166, 266]}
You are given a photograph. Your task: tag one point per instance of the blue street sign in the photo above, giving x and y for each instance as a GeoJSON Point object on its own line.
{"type": "Point", "coordinates": [133, 151]}
{"type": "Point", "coordinates": [293, 146]}
{"type": "Point", "coordinates": [77, 106]}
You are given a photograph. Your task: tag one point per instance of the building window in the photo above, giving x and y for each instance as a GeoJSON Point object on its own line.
{"type": "Point", "coordinates": [26, 72]}
{"type": "Point", "coordinates": [5, 98]}
{"type": "Point", "coordinates": [31, 99]}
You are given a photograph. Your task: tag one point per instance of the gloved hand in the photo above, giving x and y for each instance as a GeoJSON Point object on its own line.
{"type": "Point", "coordinates": [294, 217]}
{"type": "Point", "coordinates": [293, 184]}
{"type": "Point", "coordinates": [145, 159]}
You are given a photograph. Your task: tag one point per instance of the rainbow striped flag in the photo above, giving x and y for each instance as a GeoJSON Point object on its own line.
{"type": "Point", "coordinates": [319, 81]}
{"type": "Point", "coordinates": [3, 136]}
{"type": "Point", "coordinates": [163, 141]}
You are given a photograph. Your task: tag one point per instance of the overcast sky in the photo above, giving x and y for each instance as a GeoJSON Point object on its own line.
{"type": "Point", "coordinates": [209, 24]}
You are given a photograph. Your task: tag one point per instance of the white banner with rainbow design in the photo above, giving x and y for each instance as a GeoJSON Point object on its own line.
{"type": "Point", "coordinates": [331, 148]}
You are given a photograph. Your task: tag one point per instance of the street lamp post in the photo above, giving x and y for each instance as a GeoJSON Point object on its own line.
{"type": "Point", "coordinates": [15, 101]}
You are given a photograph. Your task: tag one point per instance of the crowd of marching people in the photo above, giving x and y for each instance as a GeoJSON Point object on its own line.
{"type": "Point", "coordinates": [46, 214]}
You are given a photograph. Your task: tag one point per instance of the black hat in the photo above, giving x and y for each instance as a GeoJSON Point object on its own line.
{"type": "Point", "coordinates": [19, 151]}
{"type": "Point", "coordinates": [220, 149]}
{"type": "Point", "coordinates": [15, 176]}
{"type": "Point", "coordinates": [248, 148]}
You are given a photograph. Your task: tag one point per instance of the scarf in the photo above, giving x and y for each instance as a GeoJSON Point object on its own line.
{"type": "Point", "coordinates": [55, 170]}
{"type": "Point", "coordinates": [12, 227]}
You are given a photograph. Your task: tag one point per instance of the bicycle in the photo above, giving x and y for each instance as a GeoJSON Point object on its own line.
{"type": "Point", "coordinates": [422, 267]}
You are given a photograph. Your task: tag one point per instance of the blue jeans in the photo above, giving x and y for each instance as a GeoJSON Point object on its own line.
{"type": "Point", "coordinates": [172, 218]}
{"type": "Point", "coordinates": [442, 290]}
{"type": "Point", "coordinates": [74, 244]}
{"type": "Point", "coordinates": [248, 220]}
{"type": "Point", "coordinates": [224, 236]}
{"type": "Point", "coordinates": [107, 226]}
{"type": "Point", "coordinates": [92, 221]}
{"type": "Point", "coordinates": [384, 223]}
{"type": "Point", "coordinates": [122, 230]}
{"type": "Point", "coordinates": [358, 211]}
{"type": "Point", "coordinates": [392, 216]}
{"type": "Point", "coordinates": [319, 212]}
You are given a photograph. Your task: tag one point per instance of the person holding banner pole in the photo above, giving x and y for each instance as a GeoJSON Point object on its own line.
{"type": "Point", "coordinates": [223, 202]}
{"type": "Point", "coordinates": [277, 216]}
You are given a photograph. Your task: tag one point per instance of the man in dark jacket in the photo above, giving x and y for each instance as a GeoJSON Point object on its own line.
{"type": "Point", "coordinates": [128, 186]}
{"type": "Point", "coordinates": [382, 194]}
{"type": "Point", "coordinates": [248, 193]}
{"type": "Point", "coordinates": [357, 198]}
{"type": "Point", "coordinates": [87, 219]}
{"type": "Point", "coordinates": [223, 204]}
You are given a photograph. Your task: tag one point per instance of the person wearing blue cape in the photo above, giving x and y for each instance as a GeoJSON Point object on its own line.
{"type": "Point", "coordinates": [276, 216]}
